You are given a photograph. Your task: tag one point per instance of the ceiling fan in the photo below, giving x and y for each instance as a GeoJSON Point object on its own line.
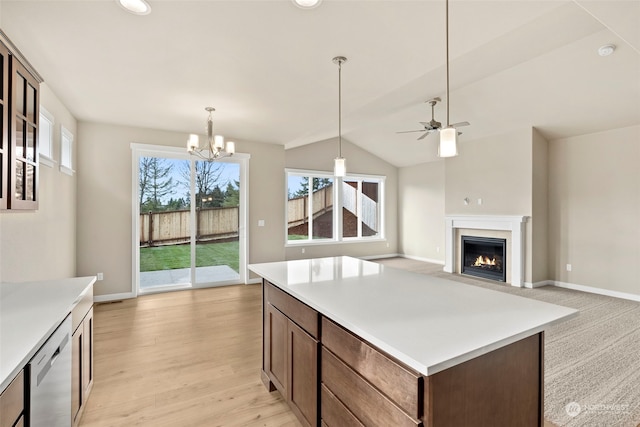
{"type": "Point", "coordinates": [433, 125]}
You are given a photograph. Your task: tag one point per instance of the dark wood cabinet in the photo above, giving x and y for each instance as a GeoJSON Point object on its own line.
{"type": "Point", "coordinates": [81, 365]}
{"type": "Point", "coordinates": [12, 402]}
{"type": "Point", "coordinates": [290, 356]}
{"type": "Point", "coordinates": [20, 102]}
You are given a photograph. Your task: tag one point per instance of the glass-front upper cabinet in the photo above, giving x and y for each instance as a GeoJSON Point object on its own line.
{"type": "Point", "coordinates": [23, 178]}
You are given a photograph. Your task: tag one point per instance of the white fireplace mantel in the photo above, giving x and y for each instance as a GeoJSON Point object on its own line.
{"type": "Point", "coordinates": [513, 223]}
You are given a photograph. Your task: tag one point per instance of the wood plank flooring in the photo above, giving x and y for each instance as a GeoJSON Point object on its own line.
{"type": "Point", "coordinates": [188, 358]}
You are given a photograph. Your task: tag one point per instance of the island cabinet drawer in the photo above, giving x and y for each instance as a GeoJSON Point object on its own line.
{"type": "Point", "coordinates": [12, 401]}
{"type": "Point", "coordinates": [303, 315]}
{"type": "Point", "coordinates": [362, 399]}
{"type": "Point", "coordinates": [400, 384]}
{"type": "Point", "coordinates": [334, 413]}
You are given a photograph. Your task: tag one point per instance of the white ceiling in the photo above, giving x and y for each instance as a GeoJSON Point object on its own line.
{"type": "Point", "coordinates": [266, 66]}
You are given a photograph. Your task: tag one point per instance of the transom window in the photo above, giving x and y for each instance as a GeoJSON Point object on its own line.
{"type": "Point", "coordinates": [324, 209]}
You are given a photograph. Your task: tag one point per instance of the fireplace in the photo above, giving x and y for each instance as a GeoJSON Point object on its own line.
{"type": "Point", "coordinates": [484, 257]}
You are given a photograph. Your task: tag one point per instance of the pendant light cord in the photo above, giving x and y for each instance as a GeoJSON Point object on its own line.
{"type": "Point", "coordinates": [447, 53]}
{"type": "Point", "coordinates": [340, 107]}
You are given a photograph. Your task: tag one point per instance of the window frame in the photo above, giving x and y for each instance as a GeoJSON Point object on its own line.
{"type": "Point", "coordinates": [48, 118]}
{"type": "Point", "coordinates": [66, 138]}
{"type": "Point", "coordinates": [338, 237]}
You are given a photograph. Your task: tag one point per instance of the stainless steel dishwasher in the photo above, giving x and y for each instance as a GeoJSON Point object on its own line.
{"type": "Point", "coordinates": [50, 380]}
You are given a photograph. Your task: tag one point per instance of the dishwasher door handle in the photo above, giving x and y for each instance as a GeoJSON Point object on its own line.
{"type": "Point", "coordinates": [45, 369]}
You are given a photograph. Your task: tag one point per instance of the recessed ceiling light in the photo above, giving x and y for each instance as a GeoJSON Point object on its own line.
{"type": "Point", "coordinates": [138, 7]}
{"type": "Point", "coordinates": [606, 50]}
{"type": "Point", "coordinates": [306, 4]}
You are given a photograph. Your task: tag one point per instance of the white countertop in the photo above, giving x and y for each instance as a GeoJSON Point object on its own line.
{"type": "Point", "coordinates": [428, 323]}
{"type": "Point", "coordinates": [29, 313]}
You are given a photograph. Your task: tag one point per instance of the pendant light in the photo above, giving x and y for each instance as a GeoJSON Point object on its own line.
{"type": "Point", "coordinates": [448, 146]}
{"type": "Point", "coordinates": [339, 163]}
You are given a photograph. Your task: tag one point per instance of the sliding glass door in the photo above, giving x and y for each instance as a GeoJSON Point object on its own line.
{"type": "Point", "coordinates": [189, 221]}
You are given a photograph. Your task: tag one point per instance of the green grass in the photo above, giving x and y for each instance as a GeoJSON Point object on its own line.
{"type": "Point", "coordinates": [179, 256]}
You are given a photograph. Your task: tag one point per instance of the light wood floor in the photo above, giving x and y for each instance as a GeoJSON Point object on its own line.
{"type": "Point", "coordinates": [189, 358]}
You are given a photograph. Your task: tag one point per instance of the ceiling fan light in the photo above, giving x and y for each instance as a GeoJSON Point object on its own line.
{"type": "Point", "coordinates": [340, 167]}
{"type": "Point", "coordinates": [448, 146]}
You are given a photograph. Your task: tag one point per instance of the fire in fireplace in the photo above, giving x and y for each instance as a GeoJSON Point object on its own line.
{"type": "Point", "coordinates": [484, 257]}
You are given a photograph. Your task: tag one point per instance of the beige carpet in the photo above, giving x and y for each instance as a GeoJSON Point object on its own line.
{"type": "Point", "coordinates": [592, 361]}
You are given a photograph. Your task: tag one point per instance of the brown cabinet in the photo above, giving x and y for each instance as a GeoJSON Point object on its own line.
{"type": "Point", "coordinates": [290, 358]}
{"type": "Point", "coordinates": [12, 403]}
{"type": "Point", "coordinates": [82, 365]}
{"type": "Point", "coordinates": [19, 102]}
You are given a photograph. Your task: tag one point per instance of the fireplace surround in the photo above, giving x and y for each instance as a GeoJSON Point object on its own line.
{"type": "Point", "coordinates": [515, 224]}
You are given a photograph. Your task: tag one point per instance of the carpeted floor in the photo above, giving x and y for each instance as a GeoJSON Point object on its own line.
{"type": "Point", "coordinates": [592, 361]}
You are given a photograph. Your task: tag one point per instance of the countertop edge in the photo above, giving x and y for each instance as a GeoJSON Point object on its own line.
{"type": "Point", "coordinates": [25, 360]}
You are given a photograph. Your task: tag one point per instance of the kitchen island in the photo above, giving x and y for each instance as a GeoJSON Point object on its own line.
{"type": "Point", "coordinates": [351, 342]}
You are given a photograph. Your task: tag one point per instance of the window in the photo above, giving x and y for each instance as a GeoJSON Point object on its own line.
{"type": "Point", "coordinates": [46, 137]}
{"type": "Point", "coordinates": [66, 151]}
{"type": "Point", "coordinates": [312, 197]}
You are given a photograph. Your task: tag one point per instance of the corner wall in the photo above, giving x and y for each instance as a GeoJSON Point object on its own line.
{"type": "Point", "coordinates": [421, 225]}
{"type": "Point", "coordinates": [41, 245]}
{"type": "Point", "coordinates": [594, 210]}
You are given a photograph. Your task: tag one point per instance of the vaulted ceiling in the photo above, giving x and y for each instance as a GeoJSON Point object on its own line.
{"type": "Point", "coordinates": [266, 66]}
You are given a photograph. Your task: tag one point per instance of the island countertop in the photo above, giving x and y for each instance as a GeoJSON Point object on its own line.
{"type": "Point", "coordinates": [29, 313]}
{"type": "Point", "coordinates": [426, 322]}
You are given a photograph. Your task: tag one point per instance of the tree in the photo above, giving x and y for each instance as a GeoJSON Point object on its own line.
{"type": "Point", "coordinates": [318, 184]}
{"type": "Point", "coordinates": [155, 182]}
{"type": "Point", "coordinates": [207, 176]}
{"type": "Point", "coordinates": [232, 194]}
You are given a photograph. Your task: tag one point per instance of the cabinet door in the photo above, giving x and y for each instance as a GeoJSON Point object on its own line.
{"type": "Point", "coordinates": [23, 143]}
{"type": "Point", "coordinates": [303, 375]}
{"type": "Point", "coordinates": [87, 355]}
{"type": "Point", "coordinates": [4, 125]}
{"type": "Point", "coordinates": [76, 373]}
{"type": "Point", "coordinates": [276, 354]}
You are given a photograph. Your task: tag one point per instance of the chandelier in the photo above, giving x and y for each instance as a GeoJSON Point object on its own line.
{"type": "Point", "coordinates": [216, 147]}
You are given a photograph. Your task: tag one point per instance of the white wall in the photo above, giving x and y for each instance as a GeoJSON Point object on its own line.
{"type": "Point", "coordinates": [105, 194]}
{"type": "Point", "coordinates": [40, 245]}
{"type": "Point", "coordinates": [594, 210]}
{"type": "Point", "coordinates": [421, 225]}
{"type": "Point", "coordinates": [319, 156]}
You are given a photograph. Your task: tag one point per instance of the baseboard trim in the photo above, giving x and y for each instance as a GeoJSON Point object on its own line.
{"type": "Point", "coordinates": [254, 281]}
{"type": "Point", "coordinates": [368, 257]}
{"type": "Point", "coordinates": [540, 284]}
{"type": "Point", "coordinates": [113, 297]}
{"type": "Point", "coordinates": [592, 290]}
{"type": "Point", "coordinates": [417, 258]}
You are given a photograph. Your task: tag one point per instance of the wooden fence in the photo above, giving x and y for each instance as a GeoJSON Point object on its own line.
{"type": "Point", "coordinates": [174, 227]}
{"type": "Point", "coordinates": [297, 209]}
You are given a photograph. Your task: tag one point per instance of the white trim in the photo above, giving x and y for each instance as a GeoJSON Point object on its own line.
{"type": "Point", "coordinates": [417, 258]}
{"type": "Point", "coordinates": [66, 137]}
{"type": "Point", "coordinates": [368, 257]}
{"type": "Point", "coordinates": [113, 297]}
{"type": "Point", "coordinates": [46, 159]}
{"type": "Point", "coordinates": [513, 223]}
{"type": "Point", "coordinates": [593, 290]}
{"type": "Point", "coordinates": [254, 281]}
{"type": "Point", "coordinates": [242, 159]}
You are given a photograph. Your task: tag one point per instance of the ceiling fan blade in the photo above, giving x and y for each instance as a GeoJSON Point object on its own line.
{"type": "Point", "coordinates": [409, 131]}
{"type": "Point", "coordinates": [424, 136]}
{"type": "Point", "coordinates": [460, 124]}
